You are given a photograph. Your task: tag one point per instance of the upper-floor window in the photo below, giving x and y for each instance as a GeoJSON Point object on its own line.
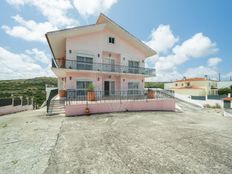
{"type": "Point", "coordinates": [84, 63]}
{"type": "Point", "coordinates": [111, 40]}
{"type": "Point", "coordinates": [133, 66]}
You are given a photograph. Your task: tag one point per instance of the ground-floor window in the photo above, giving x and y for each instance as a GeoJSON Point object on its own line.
{"type": "Point", "coordinates": [82, 87]}
{"type": "Point", "coordinates": [133, 88]}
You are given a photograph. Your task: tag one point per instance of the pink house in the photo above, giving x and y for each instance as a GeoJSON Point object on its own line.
{"type": "Point", "coordinates": [103, 56]}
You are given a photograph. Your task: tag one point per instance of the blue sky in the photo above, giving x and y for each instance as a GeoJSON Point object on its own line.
{"type": "Point", "coordinates": [192, 38]}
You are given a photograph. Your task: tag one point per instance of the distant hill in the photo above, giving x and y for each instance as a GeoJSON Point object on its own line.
{"type": "Point", "coordinates": [27, 88]}
{"type": "Point", "coordinates": [154, 85]}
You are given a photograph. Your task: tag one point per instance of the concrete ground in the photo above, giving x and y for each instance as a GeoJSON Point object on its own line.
{"type": "Point", "coordinates": [192, 140]}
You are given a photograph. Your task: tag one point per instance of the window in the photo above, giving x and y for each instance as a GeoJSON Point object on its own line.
{"type": "Point", "coordinates": [82, 87]}
{"type": "Point", "coordinates": [133, 88]}
{"type": "Point", "coordinates": [111, 40]}
{"type": "Point", "coordinates": [84, 63]}
{"type": "Point", "coordinates": [133, 67]}
{"type": "Point", "coordinates": [176, 84]}
{"type": "Point", "coordinates": [109, 65]}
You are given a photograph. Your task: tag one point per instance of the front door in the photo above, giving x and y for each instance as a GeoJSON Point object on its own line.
{"type": "Point", "coordinates": [109, 88]}
{"type": "Point", "coordinates": [106, 88]}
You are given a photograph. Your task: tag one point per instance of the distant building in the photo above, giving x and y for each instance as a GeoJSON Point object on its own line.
{"type": "Point", "coordinates": [224, 84]}
{"type": "Point", "coordinates": [168, 85]}
{"type": "Point", "coordinates": [195, 86]}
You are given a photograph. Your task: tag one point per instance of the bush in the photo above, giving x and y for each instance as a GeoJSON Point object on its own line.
{"type": "Point", "coordinates": [217, 106]}
{"type": "Point", "coordinates": [225, 91]}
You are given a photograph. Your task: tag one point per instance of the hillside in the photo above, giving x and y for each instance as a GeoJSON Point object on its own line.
{"type": "Point", "coordinates": [154, 85]}
{"type": "Point", "coordinates": [27, 88]}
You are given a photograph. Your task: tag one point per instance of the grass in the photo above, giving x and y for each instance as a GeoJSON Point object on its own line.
{"type": "Point", "coordinates": [14, 162]}
{"type": "Point", "coordinates": [3, 125]}
{"type": "Point", "coordinates": [27, 88]}
{"type": "Point", "coordinates": [217, 106]}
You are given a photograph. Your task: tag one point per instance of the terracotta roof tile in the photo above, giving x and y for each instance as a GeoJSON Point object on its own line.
{"type": "Point", "coordinates": [192, 79]}
{"type": "Point", "coordinates": [228, 99]}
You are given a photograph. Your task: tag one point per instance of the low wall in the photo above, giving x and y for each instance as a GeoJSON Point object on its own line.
{"type": "Point", "coordinates": [12, 109]}
{"type": "Point", "coordinates": [151, 105]}
{"type": "Point", "coordinates": [200, 103]}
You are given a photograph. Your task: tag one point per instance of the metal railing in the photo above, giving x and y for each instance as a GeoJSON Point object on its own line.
{"type": "Point", "coordinates": [78, 96]}
{"type": "Point", "coordinates": [93, 66]}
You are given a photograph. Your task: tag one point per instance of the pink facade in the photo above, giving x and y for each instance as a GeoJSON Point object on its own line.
{"type": "Point", "coordinates": [150, 105]}
{"type": "Point", "coordinates": [96, 46]}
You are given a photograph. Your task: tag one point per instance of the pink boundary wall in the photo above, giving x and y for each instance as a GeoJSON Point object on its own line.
{"type": "Point", "coordinates": [13, 109]}
{"type": "Point", "coordinates": [151, 105]}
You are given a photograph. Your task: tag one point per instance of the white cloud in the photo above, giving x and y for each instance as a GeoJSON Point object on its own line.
{"type": "Point", "coordinates": [56, 11]}
{"type": "Point", "coordinates": [214, 61]}
{"type": "Point", "coordinates": [201, 71]}
{"type": "Point", "coordinates": [227, 76]}
{"type": "Point", "coordinates": [162, 39]}
{"type": "Point", "coordinates": [198, 46]}
{"type": "Point", "coordinates": [22, 65]}
{"type": "Point", "coordinates": [93, 7]}
{"type": "Point", "coordinates": [28, 29]}
{"type": "Point", "coordinates": [40, 56]}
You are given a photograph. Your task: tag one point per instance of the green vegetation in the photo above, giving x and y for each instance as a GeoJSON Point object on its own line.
{"type": "Point", "coordinates": [90, 87]}
{"type": "Point", "coordinates": [14, 162]}
{"type": "Point", "coordinates": [27, 88]}
{"type": "Point", "coordinates": [217, 106]}
{"type": "Point", "coordinates": [154, 85]}
{"type": "Point", "coordinates": [3, 125]}
{"type": "Point", "coordinates": [225, 91]}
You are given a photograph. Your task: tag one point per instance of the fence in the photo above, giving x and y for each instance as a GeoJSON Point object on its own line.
{"type": "Point", "coordinates": [209, 97]}
{"type": "Point", "coordinates": [15, 104]}
{"type": "Point", "coordinates": [103, 96]}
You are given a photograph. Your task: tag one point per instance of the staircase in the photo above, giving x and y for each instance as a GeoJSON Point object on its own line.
{"type": "Point", "coordinates": [56, 107]}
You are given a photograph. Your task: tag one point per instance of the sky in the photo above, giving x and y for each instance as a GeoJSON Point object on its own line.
{"type": "Point", "coordinates": [192, 38]}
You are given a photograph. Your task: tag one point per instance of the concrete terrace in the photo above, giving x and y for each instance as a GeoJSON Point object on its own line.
{"type": "Point", "coordinates": [192, 140]}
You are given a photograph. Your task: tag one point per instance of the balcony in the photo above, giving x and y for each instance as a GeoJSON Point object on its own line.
{"type": "Point", "coordinates": [102, 67]}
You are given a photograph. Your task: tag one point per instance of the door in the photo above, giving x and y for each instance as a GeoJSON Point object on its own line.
{"type": "Point", "coordinates": [106, 88]}
{"type": "Point", "coordinates": [109, 88]}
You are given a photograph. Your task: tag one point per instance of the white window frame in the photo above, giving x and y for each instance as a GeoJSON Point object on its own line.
{"type": "Point", "coordinates": [134, 89]}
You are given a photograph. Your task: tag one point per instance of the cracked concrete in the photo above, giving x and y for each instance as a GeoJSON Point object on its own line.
{"type": "Point", "coordinates": [192, 141]}
{"type": "Point", "coordinates": [26, 142]}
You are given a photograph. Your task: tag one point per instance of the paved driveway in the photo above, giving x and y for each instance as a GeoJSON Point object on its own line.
{"type": "Point", "coordinates": [192, 141]}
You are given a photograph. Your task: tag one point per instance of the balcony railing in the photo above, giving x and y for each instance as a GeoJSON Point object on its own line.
{"type": "Point", "coordinates": [102, 96]}
{"type": "Point", "coordinates": [104, 67]}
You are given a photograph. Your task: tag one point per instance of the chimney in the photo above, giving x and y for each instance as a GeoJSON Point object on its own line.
{"type": "Point", "coordinates": [206, 76]}
{"type": "Point", "coordinates": [229, 95]}
{"type": "Point", "coordinates": [184, 78]}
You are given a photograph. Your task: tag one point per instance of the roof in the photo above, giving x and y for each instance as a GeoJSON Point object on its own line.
{"type": "Point", "coordinates": [194, 79]}
{"type": "Point", "coordinates": [188, 88]}
{"type": "Point", "coordinates": [56, 39]}
{"type": "Point", "coordinates": [228, 99]}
